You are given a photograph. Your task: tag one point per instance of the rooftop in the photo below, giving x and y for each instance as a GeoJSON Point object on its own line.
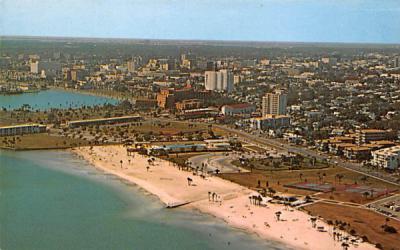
{"type": "Point", "coordinates": [23, 125]}
{"type": "Point", "coordinates": [239, 105]}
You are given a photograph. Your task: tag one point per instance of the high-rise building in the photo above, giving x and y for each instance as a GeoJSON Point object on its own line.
{"type": "Point", "coordinates": [219, 80]}
{"type": "Point", "coordinates": [396, 62]}
{"type": "Point", "coordinates": [78, 74]}
{"type": "Point", "coordinates": [274, 103]}
{"type": "Point", "coordinates": [34, 67]}
{"type": "Point", "coordinates": [51, 68]}
{"type": "Point", "coordinates": [131, 65]}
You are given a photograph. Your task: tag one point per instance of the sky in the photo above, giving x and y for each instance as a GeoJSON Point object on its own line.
{"type": "Point", "coordinates": [358, 21]}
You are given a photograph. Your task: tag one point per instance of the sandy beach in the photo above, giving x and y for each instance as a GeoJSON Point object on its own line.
{"type": "Point", "coordinates": [231, 201]}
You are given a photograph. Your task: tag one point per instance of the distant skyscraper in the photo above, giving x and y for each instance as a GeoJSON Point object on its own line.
{"type": "Point", "coordinates": [396, 62]}
{"type": "Point", "coordinates": [34, 67]}
{"type": "Point", "coordinates": [219, 80]}
{"type": "Point", "coordinates": [329, 60]}
{"type": "Point", "coordinates": [274, 103]}
{"type": "Point", "coordinates": [131, 66]}
{"type": "Point", "coordinates": [51, 68]}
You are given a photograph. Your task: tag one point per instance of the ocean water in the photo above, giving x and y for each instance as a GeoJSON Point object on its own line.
{"type": "Point", "coordinates": [47, 99]}
{"type": "Point", "coordinates": [53, 200]}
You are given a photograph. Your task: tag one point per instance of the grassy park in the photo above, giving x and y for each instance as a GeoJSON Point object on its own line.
{"type": "Point", "coordinates": [336, 176]}
{"type": "Point", "coordinates": [359, 221]}
{"type": "Point", "coordinates": [40, 141]}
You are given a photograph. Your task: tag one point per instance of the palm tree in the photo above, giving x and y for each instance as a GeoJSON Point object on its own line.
{"type": "Point", "coordinates": [121, 162]}
{"type": "Point", "coordinates": [189, 181]}
{"type": "Point", "coordinates": [278, 215]}
{"type": "Point", "coordinates": [366, 194]}
{"type": "Point", "coordinates": [364, 179]}
{"type": "Point", "coordinates": [386, 221]}
{"type": "Point", "coordinates": [372, 193]}
{"type": "Point", "coordinates": [313, 221]}
{"type": "Point", "coordinates": [339, 177]}
{"type": "Point", "coordinates": [345, 246]}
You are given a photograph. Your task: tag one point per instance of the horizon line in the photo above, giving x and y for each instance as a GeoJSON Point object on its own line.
{"type": "Point", "coordinates": [196, 40]}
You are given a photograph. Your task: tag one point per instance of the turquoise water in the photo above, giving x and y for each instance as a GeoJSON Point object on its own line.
{"type": "Point", "coordinates": [48, 99]}
{"type": "Point", "coordinates": [52, 200]}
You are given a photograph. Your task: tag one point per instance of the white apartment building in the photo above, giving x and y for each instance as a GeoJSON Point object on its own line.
{"type": "Point", "coordinates": [386, 158]}
{"type": "Point", "coordinates": [274, 103]}
{"type": "Point", "coordinates": [221, 80]}
{"type": "Point", "coordinates": [270, 122]}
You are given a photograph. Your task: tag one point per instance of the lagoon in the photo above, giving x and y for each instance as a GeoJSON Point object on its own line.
{"type": "Point", "coordinates": [53, 98]}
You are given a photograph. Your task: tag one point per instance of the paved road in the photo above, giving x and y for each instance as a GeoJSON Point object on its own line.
{"type": "Point", "coordinates": [215, 161]}
{"type": "Point", "coordinates": [356, 167]}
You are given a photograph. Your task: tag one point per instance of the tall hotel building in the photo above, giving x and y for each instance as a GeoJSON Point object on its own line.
{"type": "Point", "coordinates": [221, 80]}
{"type": "Point", "coordinates": [274, 103]}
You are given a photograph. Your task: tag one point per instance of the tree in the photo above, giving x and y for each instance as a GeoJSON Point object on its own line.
{"type": "Point", "coordinates": [339, 177]}
{"type": "Point", "coordinates": [313, 221]}
{"type": "Point", "coordinates": [389, 229]}
{"type": "Point", "coordinates": [278, 215]}
{"type": "Point", "coordinates": [364, 178]}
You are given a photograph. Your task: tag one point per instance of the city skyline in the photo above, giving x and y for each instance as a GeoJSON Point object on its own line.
{"type": "Point", "coordinates": [283, 21]}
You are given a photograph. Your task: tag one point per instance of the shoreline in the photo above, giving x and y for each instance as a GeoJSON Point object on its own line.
{"type": "Point", "coordinates": [88, 92]}
{"type": "Point", "coordinates": [170, 185]}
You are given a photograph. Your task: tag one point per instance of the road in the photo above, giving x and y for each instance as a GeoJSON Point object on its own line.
{"type": "Point", "coordinates": [219, 161]}
{"type": "Point", "coordinates": [356, 167]}
{"type": "Point", "coordinates": [260, 141]}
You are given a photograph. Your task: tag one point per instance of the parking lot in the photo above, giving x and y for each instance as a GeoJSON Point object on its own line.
{"type": "Point", "coordinates": [389, 206]}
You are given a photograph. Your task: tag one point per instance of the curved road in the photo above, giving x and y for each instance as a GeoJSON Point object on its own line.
{"type": "Point", "coordinates": [215, 161]}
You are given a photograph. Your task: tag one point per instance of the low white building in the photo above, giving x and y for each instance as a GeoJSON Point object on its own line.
{"type": "Point", "coordinates": [22, 129]}
{"type": "Point", "coordinates": [243, 109]}
{"type": "Point", "coordinates": [270, 122]}
{"type": "Point", "coordinates": [386, 158]}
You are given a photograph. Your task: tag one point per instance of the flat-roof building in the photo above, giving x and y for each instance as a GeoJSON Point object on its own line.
{"type": "Point", "coordinates": [270, 122]}
{"type": "Point", "coordinates": [238, 109]}
{"type": "Point", "coordinates": [368, 135]}
{"type": "Point", "coordinates": [219, 80]}
{"type": "Point", "coordinates": [22, 129]}
{"type": "Point", "coordinates": [386, 158]}
{"type": "Point", "coordinates": [103, 121]}
{"type": "Point", "coordinates": [274, 103]}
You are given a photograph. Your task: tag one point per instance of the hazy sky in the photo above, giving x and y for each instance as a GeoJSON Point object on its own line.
{"type": "Point", "coordinates": [261, 20]}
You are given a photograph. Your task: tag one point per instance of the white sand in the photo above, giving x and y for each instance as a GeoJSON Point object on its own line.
{"type": "Point", "coordinates": [171, 186]}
